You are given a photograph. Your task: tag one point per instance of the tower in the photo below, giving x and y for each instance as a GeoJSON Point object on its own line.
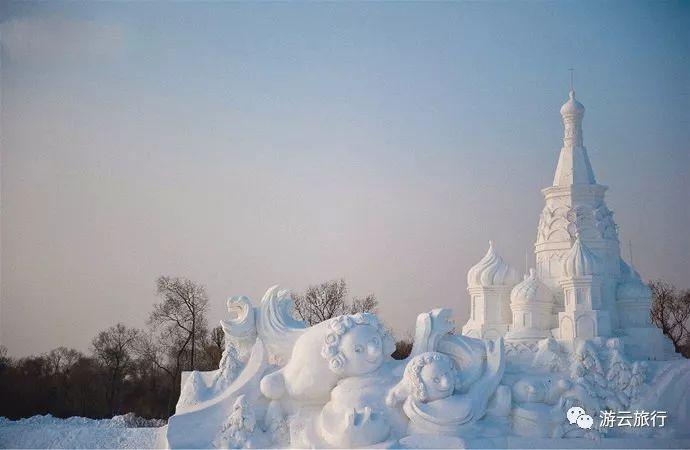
{"type": "Point", "coordinates": [585, 315]}
{"type": "Point", "coordinates": [575, 206]}
{"type": "Point", "coordinates": [531, 304]}
{"type": "Point", "coordinates": [489, 283]}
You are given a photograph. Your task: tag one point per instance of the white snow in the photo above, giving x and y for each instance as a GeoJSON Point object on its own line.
{"type": "Point", "coordinates": [78, 432]}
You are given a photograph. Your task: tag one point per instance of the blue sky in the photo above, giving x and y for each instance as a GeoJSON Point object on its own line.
{"type": "Point", "coordinates": [247, 144]}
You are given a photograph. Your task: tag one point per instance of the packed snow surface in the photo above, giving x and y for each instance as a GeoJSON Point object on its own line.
{"type": "Point", "coordinates": [79, 432]}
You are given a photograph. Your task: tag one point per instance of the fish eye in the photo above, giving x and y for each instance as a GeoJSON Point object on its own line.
{"type": "Point", "coordinates": [358, 349]}
{"type": "Point", "coordinates": [436, 380]}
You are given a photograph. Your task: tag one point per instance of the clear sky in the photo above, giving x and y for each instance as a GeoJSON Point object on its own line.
{"type": "Point", "coordinates": [248, 144]}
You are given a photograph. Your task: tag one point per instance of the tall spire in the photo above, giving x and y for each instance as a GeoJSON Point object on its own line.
{"type": "Point", "coordinates": [573, 164]}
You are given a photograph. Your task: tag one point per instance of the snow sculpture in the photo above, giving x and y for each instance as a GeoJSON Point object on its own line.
{"type": "Point", "coordinates": [238, 430]}
{"type": "Point", "coordinates": [429, 401]}
{"type": "Point", "coordinates": [356, 415]}
{"type": "Point", "coordinates": [540, 389]}
{"type": "Point", "coordinates": [272, 322]}
{"type": "Point", "coordinates": [550, 356]}
{"type": "Point", "coordinates": [489, 283]}
{"type": "Point", "coordinates": [429, 376]}
{"type": "Point", "coordinates": [239, 329]}
{"type": "Point", "coordinates": [350, 345]}
{"type": "Point", "coordinates": [637, 380]}
{"type": "Point", "coordinates": [619, 374]}
{"type": "Point", "coordinates": [229, 367]}
{"type": "Point", "coordinates": [192, 390]}
{"type": "Point", "coordinates": [577, 332]}
{"type": "Point", "coordinates": [339, 388]}
{"type": "Point", "coordinates": [276, 325]}
{"type": "Point", "coordinates": [585, 316]}
{"type": "Point", "coordinates": [538, 408]}
{"type": "Point", "coordinates": [587, 371]}
{"type": "Point", "coordinates": [581, 288]}
{"type": "Point", "coordinates": [530, 303]}
{"type": "Point", "coordinates": [276, 425]}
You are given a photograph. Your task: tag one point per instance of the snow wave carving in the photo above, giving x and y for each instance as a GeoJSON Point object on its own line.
{"type": "Point", "coordinates": [276, 326]}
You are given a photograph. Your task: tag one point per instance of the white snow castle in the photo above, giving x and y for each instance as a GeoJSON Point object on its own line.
{"type": "Point", "coordinates": [537, 363]}
{"type": "Point", "coordinates": [581, 288]}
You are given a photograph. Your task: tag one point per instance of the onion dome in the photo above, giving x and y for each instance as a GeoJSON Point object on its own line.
{"type": "Point", "coordinates": [572, 107]}
{"type": "Point", "coordinates": [491, 270]}
{"type": "Point", "coordinates": [580, 260]}
{"type": "Point", "coordinates": [631, 285]}
{"type": "Point", "coordinates": [529, 290]}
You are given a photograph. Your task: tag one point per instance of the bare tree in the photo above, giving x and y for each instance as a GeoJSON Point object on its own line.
{"type": "Point", "coordinates": [62, 359]}
{"type": "Point", "coordinates": [5, 360]}
{"type": "Point", "coordinates": [671, 312]}
{"type": "Point", "coordinates": [163, 352]}
{"type": "Point", "coordinates": [182, 314]}
{"type": "Point", "coordinates": [215, 346]}
{"type": "Point", "coordinates": [366, 304]}
{"type": "Point", "coordinates": [328, 299]}
{"type": "Point", "coordinates": [112, 348]}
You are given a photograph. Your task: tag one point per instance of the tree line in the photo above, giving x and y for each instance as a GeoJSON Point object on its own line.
{"type": "Point", "coordinates": [125, 370]}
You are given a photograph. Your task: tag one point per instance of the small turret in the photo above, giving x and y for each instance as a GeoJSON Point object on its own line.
{"type": "Point", "coordinates": [489, 283]}
{"type": "Point", "coordinates": [490, 271]}
{"type": "Point", "coordinates": [580, 261]}
{"type": "Point", "coordinates": [531, 305]}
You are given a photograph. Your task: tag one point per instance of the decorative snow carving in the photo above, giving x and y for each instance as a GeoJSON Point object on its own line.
{"type": "Point", "coordinates": [276, 325]}
{"type": "Point", "coordinates": [339, 389]}
{"type": "Point", "coordinates": [531, 305]}
{"type": "Point", "coordinates": [276, 425]}
{"type": "Point", "coordinates": [240, 328]}
{"type": "Point", "coordinates": [537, 409]}
{"type": "Point", "coordinates": [489, 283]}
{"type": "Point", "coordinates": [356, 415]}
{"type": "Point", "coordinates": [352, 350]}
{"type": "Point", "coordinates": [637, 380]}
{"type": "Point", "coordinates": [428, 402]}
{"type": "Point", "coordinates": [344, 346]}
{"type": "Point", "coordinates": [229, 368]}
{"type": "Point", "coordinates": [604, 223]}
{"type": "Point", "coordinates": [577, 218]}
{"type": "Point", "coordinates": [587, 372]}
{"type": "Point", "coordinates": [192, 390]}
{"type": "Point", "coordinates": [540, 389]}
{"type": "Point", "coordinates": [428, 376]}
{"type": "Point", "coordinates": [553, 224]}
{"type": "Point", "coordinates": [491, 270]}
{"type": "Point", "coordinates": [550, 356]}
{"type": "Point", "coordinates": [580, 261]}
{"type": "Point", "coordinates": [619, 374]}
{"type": "Point", "coordinates": [238, 430]}
{"type": "Point", "coordinates": [592, 221]}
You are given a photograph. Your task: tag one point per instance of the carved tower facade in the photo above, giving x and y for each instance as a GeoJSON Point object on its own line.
{"type": "Point", "coordinates": [574, 207]}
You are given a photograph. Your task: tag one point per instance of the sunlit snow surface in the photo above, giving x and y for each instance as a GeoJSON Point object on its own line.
{"type": "Point", "coordinates": [77, 432]}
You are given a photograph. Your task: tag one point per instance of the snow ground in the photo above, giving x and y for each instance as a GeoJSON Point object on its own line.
{"type": "Point", "coordinates": [77, 432]}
